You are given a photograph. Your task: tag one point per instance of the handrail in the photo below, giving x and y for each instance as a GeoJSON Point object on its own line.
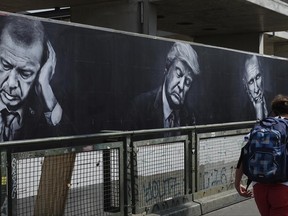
{"type": "Point", "coordinates": [117, 134]}
{"type": "Point", "coordinates": [121, 161]}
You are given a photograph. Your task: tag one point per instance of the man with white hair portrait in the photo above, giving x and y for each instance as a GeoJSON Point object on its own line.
{"type": "Point", "coordinates": [165, 107]}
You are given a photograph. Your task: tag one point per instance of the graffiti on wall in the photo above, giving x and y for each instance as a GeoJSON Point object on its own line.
{"type": "Point", "coordinates": [218, 174]}
{"type": "Point", "coordinates": [159, 187]}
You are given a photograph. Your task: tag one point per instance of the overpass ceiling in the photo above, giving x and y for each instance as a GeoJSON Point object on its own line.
{"type": "Point", "coordinates": [206, 17]}
{"type": "Point", "coordinates": [191, 17]}
{"type": "Point", "coordinates": [24, 5]}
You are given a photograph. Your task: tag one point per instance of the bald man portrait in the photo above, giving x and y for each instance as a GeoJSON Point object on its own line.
{"type": "Point", "coordinates": [253, 82]}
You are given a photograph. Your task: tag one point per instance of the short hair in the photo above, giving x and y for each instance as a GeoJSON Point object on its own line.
{"type": "Point", "coordinates": [25, 31]}
{"type": "Point", "coordinates": [279, 104]}
{"type": "Point", "coordinates": [185, 53]}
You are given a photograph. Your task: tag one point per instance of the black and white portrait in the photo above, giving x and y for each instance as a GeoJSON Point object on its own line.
{"type": "Point", "coordinates": [253, 82]}
{"type": "Point", "coordinates": [28, 106]}
{"type": "Point", "coordinates": [58, 79]}
{"type": "Point", "coordinates": [164, 107]}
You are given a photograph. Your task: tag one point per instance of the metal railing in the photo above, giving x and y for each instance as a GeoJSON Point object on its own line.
{"type": "Point", "coordinates": [118, 173]}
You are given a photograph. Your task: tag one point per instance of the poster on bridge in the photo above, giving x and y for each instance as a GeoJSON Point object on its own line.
{"type": "Point", "coordinates": [59, 79]}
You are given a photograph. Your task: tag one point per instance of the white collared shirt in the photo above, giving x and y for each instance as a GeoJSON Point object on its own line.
{"type": "Point", "coordinates": [166, 108]}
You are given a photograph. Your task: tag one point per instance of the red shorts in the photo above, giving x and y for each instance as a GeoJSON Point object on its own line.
{"type": "Point", "coordinates": [271, 199]}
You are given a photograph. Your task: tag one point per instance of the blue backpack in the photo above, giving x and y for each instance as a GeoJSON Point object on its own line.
{"type": "Point", "coordinates": [264, 157]}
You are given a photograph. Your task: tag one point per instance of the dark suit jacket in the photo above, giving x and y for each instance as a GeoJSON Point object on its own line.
{"type": "Point", "coordinates": [35, 126]}
{"type": "Point", "coordinates": [146, 112]}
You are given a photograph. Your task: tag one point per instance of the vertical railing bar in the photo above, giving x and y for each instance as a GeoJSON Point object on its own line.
{"type": "Point", "coordinates": [187, 166]}
{"type": "Point", "coordinates": [189, 163]}
{"type": "Point", "coordinates": [3, 177]}
{"type": "Point", "coordinates": [195, 160]}
{"type": "Point", "coordinates": [134, 178]}
{"type": "Point", "coordinates": [122, 195]}
{"type": "Point", "coordinates": [11, 183]}
{"type": "Point", "coordinates": [107, 180]}
{"type": "Point", "coordinates": [127, 176]}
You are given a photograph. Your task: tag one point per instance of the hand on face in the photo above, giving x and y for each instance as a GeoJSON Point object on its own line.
{"type": "Point", "coordinates": [42, 87]}
{"type": "Point", "coordinates": [47, 71]}
{"type": "Point", "coordinates": [256, 97]}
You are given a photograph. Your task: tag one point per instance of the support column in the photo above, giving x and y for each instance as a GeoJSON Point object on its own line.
{"type": "Point", "coordinates": [276, 43]}
{"type": "Point", "coordinates": [132, 16]}
{"type": "Point", "coordinates": [148, 18]}
{"type": "Point", "coordinates": [261, 43]}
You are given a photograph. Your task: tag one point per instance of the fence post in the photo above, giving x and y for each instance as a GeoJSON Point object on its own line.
{"type": "Point", "coordinates": [189, 181]}
{"type": "Point", "coordinates": [194, 159]}
{"type": "Point", "coordinates": [127, 176]}
{"type": "Point", "coordinates": [3, 177]}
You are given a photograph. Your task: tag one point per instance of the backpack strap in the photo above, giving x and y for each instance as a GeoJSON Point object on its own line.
{"type": "Point", "coordinates": [284, 120]}
{"type": "Point", "coordinates": [270, 121]}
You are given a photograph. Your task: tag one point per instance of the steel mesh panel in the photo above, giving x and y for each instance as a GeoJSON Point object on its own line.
{"type": "Point", "coordinates": [94, 188]}
{"type": "Point", "coordinates": [160, 173]}
{"type": "Point", "coordinates": [28, 173]}
{"type": "Point", "coordinates": [37, 181]}
{"type": "Point", "coordinates": [218, 157]}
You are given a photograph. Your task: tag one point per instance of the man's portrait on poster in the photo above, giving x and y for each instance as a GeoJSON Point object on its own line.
{"type": "Point", "coordinates": [27, 65]}
{"type": "Point", "coordinates": [165, 107]}
{"type": "Point", "coordinates": [253, 82]}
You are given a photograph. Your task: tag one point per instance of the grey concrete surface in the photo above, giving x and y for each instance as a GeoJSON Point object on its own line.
{"type": "Point", "coordinates": [227, 203]}
{"type": "Point", "coordinates": [244, 208]}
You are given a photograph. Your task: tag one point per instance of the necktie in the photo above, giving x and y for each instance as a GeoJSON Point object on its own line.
{"type": "Point", "coordinates": [173, 119]}
{"type": "Point", "coordinates": [7, 118]}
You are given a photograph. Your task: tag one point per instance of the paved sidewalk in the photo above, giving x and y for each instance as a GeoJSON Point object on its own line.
{"type": "Point", "coordinates": [244, 208]}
